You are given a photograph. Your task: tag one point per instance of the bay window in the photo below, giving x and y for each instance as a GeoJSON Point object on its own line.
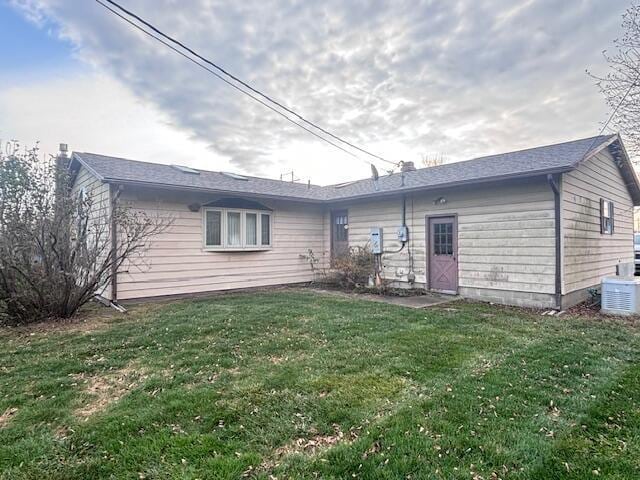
{"type": "Point", "coordinates": [236, 229]}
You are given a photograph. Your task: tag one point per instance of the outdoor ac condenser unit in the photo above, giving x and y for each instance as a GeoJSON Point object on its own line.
{"type": "Point", "coordinates": [621, 295]}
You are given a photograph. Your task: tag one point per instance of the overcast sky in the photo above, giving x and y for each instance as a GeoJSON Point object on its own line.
{"type": "Point", "coordinates": [457, 78]}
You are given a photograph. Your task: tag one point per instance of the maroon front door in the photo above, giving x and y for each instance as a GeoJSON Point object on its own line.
{"type": "Point", "coordinates": [442, 233]}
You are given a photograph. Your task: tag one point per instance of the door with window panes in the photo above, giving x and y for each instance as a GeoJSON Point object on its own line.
{"type": "Point", "coordinates": [443, 254]}
{"type": "Point", "coordinates": [339, 233]}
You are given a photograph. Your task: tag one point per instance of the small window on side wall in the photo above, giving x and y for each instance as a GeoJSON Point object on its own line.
{"type": "Point", "coordinates": [606, 217]}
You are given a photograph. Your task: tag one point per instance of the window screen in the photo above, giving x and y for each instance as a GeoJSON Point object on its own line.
{"type": "Point", "coordinates": [251, 226]}
{"type": "Point", "coordinates": [342, 234]}
{"type": "Point", "coordinates": [265, 229]}
{"type": "Point", "coordinates": [213, 228]}
{"type": "Point", "coordinates": [606, 216]}
{"type": "Point", "coordinates": [233, 228]}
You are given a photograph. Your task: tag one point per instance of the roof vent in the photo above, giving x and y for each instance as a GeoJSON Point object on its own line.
{"type": "Point", "coordinates": [345, 184]}
{"type": "Point", "coordinates": [184, 169]}
{"type": "Point", "coordinates": [235, 176]}
{"type": "Point", "coordinates": [408, 167]}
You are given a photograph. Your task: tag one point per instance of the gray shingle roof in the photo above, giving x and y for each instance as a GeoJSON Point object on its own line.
{"type": "Point", "coordinates": [121, 170]}
{"type": "Point", "coordinates": [529, 162]}
{"type": "Point", "coordinates": [523, 163]}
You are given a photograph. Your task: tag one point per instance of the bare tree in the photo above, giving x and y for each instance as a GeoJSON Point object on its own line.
{"type": "Point", "coordinates": [621, 86]}
{"type": "Point", "coordinates": [56, 247]}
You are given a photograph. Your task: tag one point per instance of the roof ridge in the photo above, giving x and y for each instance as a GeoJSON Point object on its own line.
{"type": "Point", "coordinates": [484, 157]}
{"type": "Point", "coordinates": [146, 162]}
{"type": "Point", "coordinates": [552, 158]}
{"type": "Point", "coordinates": [533, 148]}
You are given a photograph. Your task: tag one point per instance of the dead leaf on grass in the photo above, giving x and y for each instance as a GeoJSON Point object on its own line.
{"type": "Point", "coordinates": [6, 416]}
{"type": "Point", "coordinates": [277, 360]}
{"type": "Point", "coordinates": [63, 432]}
{"type": "Point", "coordinates": [553, 410]}
{"type": "Point", "coordinates": [372, 450]}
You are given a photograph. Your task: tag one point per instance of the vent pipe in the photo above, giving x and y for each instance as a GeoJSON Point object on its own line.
{"type": "Point", "coordinates": [64, 148]}
{"type": "Point", "coordinates": [408, 167]}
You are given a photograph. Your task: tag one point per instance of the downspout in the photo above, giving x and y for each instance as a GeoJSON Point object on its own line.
{"type": "Point", "coordinates": [553, 182]}
{"type": "Point", "coordinates": [115, 194]}
{"type": "Point", "coordinates": [378, 265]}
{"type": "Point", "coordinates": [404, 225]}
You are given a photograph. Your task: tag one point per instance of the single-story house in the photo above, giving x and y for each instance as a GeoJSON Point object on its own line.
{"type": "Point", "coordinates": [535, 227]}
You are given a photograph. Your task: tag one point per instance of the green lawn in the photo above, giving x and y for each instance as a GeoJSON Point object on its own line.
{"type": "Point", "coordinates": [303, 385]}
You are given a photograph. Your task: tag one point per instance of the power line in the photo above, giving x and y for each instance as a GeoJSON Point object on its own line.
{"type": "Point", "coordinates": [228, 74]}
{"type": "Point", "coordinates": [230, 83]}
{"type": "Point", "coordinates": [236, 79]}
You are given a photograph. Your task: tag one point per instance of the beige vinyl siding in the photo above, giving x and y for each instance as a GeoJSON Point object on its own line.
{"type": "Point", "coordinates": [178, 263]}
{"type": "Point", "coordinates": [96, 190]}
{"type": "Point", "coordinates": [588, 254]}
{"type": "Point", "coordinates": [99, 194]}
{"type": "Point", "coordinates": [506, 236]}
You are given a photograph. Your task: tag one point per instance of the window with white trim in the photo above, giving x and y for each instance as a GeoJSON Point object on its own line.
{"type": "Point", "coordinates": [236, 229]}
{"type": "Point", "coordinates": [606, 217]}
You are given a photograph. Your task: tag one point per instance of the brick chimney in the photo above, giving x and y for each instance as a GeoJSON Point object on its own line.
{"type": "Point", "coordinates": [62, 167]}
{"type": "Point", "coordinates": [408, 167]}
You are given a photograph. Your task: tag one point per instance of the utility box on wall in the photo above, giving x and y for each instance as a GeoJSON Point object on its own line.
{"type": "Point", "coordinates": [403, 234]}
{"type": "Point", "coordinates": [375, 239]}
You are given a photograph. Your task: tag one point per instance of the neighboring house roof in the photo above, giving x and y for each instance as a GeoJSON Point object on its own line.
{"type": "Point", "coordinates": [558, 158]}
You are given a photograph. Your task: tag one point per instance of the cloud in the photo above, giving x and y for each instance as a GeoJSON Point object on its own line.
{"type": "Point", "coordinates": [104, 116]}
{"type": "Point", "coordinates": [402, 78]}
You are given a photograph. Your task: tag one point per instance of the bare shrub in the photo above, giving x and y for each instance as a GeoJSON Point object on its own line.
{"type": "Point", "coordinates": [56, 249]}
{"type": "Point", "coordinates": [353, 269]}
